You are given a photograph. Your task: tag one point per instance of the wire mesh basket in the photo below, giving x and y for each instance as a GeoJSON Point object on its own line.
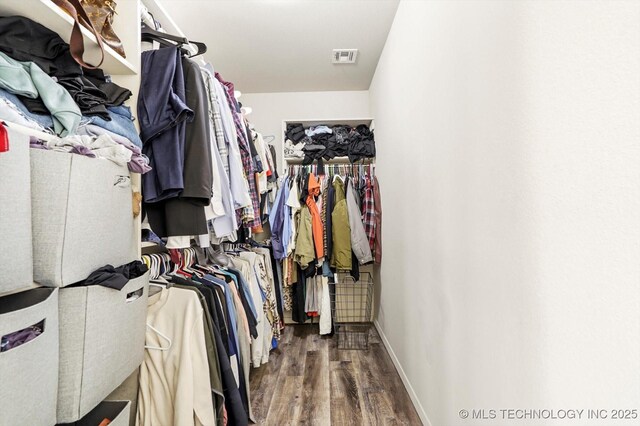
{"type": "Point", "coordinates": [351, 305]}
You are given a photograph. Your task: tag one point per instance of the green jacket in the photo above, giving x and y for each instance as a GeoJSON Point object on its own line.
{"type": "Point", "coordinates": [341, 231]}
{"type": "Point", "coordinates": [305, 252]}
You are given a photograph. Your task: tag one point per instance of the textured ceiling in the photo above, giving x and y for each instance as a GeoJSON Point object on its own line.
{"type": "Point", "coordinates": [285, 45]}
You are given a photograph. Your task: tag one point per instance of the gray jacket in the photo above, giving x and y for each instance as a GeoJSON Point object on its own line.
{"type": "Point", "coordinates": [359, 240]}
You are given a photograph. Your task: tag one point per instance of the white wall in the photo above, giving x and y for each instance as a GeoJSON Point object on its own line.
{"type": "Point", "coordinates": [269, 109]}
{"type": "Point", "coordinates": [509, 162]}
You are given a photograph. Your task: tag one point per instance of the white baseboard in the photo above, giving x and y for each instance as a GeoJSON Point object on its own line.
{"type": "Point", "coordinates": [412, 394]}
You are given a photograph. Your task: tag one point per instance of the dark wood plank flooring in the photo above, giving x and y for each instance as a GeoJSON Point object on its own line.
{"type": "Point", "coordinates": [309, 381]}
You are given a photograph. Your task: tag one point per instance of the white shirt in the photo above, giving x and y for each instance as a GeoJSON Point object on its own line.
{"type": "Point", "coordinates": [175, 387]}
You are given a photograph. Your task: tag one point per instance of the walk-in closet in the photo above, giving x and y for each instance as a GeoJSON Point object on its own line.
{"type": "Point", "coordinates": [319, 212]}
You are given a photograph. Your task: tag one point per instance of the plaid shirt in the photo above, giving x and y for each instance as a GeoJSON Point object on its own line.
{"type": "Point", "coordinates": [378, 220]}
{"type": "Point", "coordinates": [250, 215]}
{"type": "Point", "coordinates": [368, 214]}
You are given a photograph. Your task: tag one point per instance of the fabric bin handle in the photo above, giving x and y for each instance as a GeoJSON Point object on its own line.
{"type": "Point", "coordinates": [18, 338]}
{"type": "Point", "coordinates": [135, 295]}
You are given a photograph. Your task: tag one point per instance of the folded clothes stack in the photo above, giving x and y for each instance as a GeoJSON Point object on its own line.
{"type": "Point", "coordinates": [324, 143]}
{"type": "Point", "coordinates": [42, 87]}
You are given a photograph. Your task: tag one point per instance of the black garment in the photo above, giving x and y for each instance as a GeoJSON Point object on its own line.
{"type": "Point", "coordinates": [316, 149]}
{"type": "Point", "coordinates": [115, 278]}
{"type": "Point", "coordinates": [304, 188]}
{"type": "Point", "coordinates": [295, 132]}
{"type": "Point", "coordinates": [257, 163]}
{"type": "Point", "coordinates": [355, 267]}
{"type": "Point", "coordinates": [115, 94]}
{"type": "Point", "coordinates": [298, 298]}
{"type": "Point", "coordinates": [277, 282]}
{"type": "Point", "coordinates": [364, 146]}
{"type": "Point", "coordinates": [298, 313]}
{"type": "Point", "coordinates": [185, 214]}
{"type": "Point", "coordinates": [264, 216]}
{"type": "Point", "coordinates": [236, 413]}
{"type": "Point", "coordinates": [26, 40]}
{"type": "Point", "coordinates": [251, 319]}
{"type": "Point", "coordinates": [274, 176]}
{"type": "Point", "coordinates": [35, 106]}
{"type": "Point", "coordinates": [221, 313]}
{"type": "Point", "coordinates": [328, 222]}
{"type": "Point", "coordinates": [341, 135]}
{"type": "Point", "coordinates": [312, 152]}
{"type": "Point", "coordinates": [241, 385]}
{"type": "Point", "coordinates": [90, 99]}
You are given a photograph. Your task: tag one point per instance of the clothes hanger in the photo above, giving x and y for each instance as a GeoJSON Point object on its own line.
{"type": "Point", "coordinates": [181, 263]}
{"type": "Point", "coordinates": [165, 39]}
{"type": "Point", "coordinates": [272, 138]}
{"type": "Point", "coordinates": [190, 262]}
{"type": "Point", "coordinates": [162, 336]}
{"type": "Point", "coordinates": [218, 257]}
{"type": "Point", "coordinates": [203, 268]}
{"type": "Point", "coordinates": [158, 284]}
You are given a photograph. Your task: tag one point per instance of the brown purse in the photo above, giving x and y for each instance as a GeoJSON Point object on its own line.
{"type": "Point", "coordinates": [101, 14]}
{"type": "Point", "coordinates": [96, 16]}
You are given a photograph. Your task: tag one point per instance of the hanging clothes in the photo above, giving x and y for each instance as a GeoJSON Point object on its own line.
{"type": "Point", "coordinates": [215, 374]}
{"type": "Point", "coordinates": [359, 240]}
{"type": "Point", "coordinates": [163, 113]}
{"type": "Point", "coordinates": [237, 179]}
{"type": "Point", "coordinates": [369, 214]}
{"type": "Point", "coordinates": [251, 214]}
{"type": "Point", "coordinates": [185, 215]}
{"type": "Point", "coordinates": [215, 115]}
{"type": "Point", "coordinates": [293, 203]}
{"type": "Point", "coordinates": [305, 252]}
{"type": "Point", "coordinates": [341, 230]}
{"type": "Point", "coordinates": [378, 219]}
{"type": "Point", "coordinates": [174, 380]}
{"type": "Point", "coordinates": [277, 220]}
{"type": "Point", "coordinates": [316, 221]}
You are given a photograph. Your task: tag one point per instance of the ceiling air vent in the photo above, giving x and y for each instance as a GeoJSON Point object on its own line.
{"type": "Point", "coordinates": [344, 56]}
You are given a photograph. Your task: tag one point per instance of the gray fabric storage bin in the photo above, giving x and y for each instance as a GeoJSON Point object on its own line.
{"type": "Point", "coordinates": [102, 334]}
{"type": "Point", "coordinates": [82, 216]}
{"type": "Point", "coordinates": [116, 411]}
{"type": "Point", "coordinates": [128, 390]}
{"type": "Point", "coordinates": [15, 215]}
{"type": "Point", "coordinates": [29, 372]}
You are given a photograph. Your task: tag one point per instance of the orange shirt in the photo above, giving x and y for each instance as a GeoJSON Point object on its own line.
{"type": "Point", "coordinates": [316, 221]}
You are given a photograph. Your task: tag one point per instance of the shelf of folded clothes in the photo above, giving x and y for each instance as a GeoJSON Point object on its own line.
{"type": "Point", "coordinates": [328, 141]}
{"type": "Point", "coordinates": [47, 13]}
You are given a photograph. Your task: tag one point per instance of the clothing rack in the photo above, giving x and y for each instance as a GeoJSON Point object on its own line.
{"type": "Point", "coordinates": [332, 169]}
{"type": "Point", "coordinates": [169, 262]}
{"type": "Point", "coordinates": [152, 13]}
{"type": "Point", "coordinates": [335, 160]}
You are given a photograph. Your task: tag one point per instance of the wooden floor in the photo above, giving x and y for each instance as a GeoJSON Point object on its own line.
{"type": "Point", "coordinates": [308, 381]}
